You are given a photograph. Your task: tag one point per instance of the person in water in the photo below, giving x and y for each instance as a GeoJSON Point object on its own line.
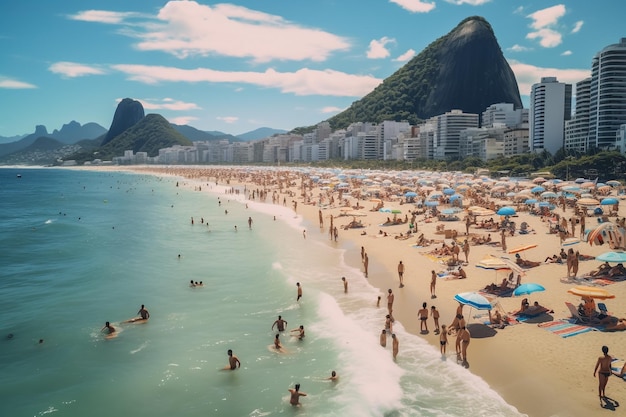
{"type": "Point", "coordinates": [233, 361]}
{"type": "Point", "coordinates": [295, 395]}
{"type": "Point", "coordinates": [108, 328]}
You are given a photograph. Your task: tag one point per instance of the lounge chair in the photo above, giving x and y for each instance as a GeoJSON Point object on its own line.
{"type": "Point", "coordinates": [576, 315]}
{"type": "Point", "coordinates": [603, 309]}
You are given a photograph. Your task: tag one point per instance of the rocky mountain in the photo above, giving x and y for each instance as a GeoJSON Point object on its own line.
{"type": "Point", "coordinates": [72, 132]}
{"type": "Point", "coordinates": [260, 133]}
{"type": "Point", "coordinates": [194, 134]}
{"type": "Point", "coordinates": [464, 69]}
{"type": "Point", "coordinates": [43, 151]}
{"type": "Point", "coordinates": [127, 114]}
{"type": "Point", "coordinates": [149, 135]}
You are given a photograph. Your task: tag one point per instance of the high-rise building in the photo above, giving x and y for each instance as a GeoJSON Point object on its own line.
{"type": "Point", "coordinates": [577, 129]}
{"type": "Point", "coordinates": [607, 104]}
{"type": "Point", "coordinates": [550, 107]}
{"type": "Point", "coordinates": [446, 143]}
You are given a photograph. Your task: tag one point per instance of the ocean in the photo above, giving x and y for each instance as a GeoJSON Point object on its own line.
{"type": "Point", "coordinates": [84, 247]}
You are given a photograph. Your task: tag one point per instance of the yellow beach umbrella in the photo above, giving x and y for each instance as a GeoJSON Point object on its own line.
{"type": "Point", "coordinates": [593, 292]}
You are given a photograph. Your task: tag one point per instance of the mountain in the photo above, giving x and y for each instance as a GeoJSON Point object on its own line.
{"type": "Point", "coordinates": [8, 139]}
{"type": "Point", "coordinates": [8, 148]}
{"type": "Point", "coordinates": [464, 69]}
{"type": "Point", "coordinates": [73, 132]}
{"type": "Point", "coordinates": [260, 133]}
{"type": "Point", "coordinates": [127, 114]}
{"type": "Point", "coordinates": [43, 151]}
{"type": "Point", "coordinates": [149, 135]}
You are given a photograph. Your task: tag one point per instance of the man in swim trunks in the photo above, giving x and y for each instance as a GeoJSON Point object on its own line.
{"type": "Point", "coordinates": [277, 344]}
{"type": "Point", "coordinates": [280, 324]}
{"type": "Point", "coordinates": [108, 328]}
{"type": "Point", "coordinates": [603, 369]}
{"type": "Point", "coordinates": [300, 331]}
{"type": "Point", "coordinates": [390, 298]}
{"type": "Point", "coordinates": [299, 291]}
{"type": "Point", "coordinates": [423, 315]}
{"type": "Point", "coordinates": [233, 361]}
{"type": "Point", "coordinates": [464, 337]}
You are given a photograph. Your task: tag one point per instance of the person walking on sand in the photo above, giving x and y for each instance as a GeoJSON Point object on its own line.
{"type": "Point", "coordinates": [394, 345]}
{"type": "Point", "coordinates": [383, 338]}
{"type": "Point", "coordinates": [464, 337]}
{"type": "Point", "coordinates": [299, 291]}
{"type": "Point", "coordinates": [280, 324]}
{"type": "Point", "coordinates": [401, 273]}
{"type": "Point", "coordinates": [366, 262]}
{"type": "Point", "coordinates": [434, 313]}
{"type": "Point", "coordinates": [390, 298]}
{"type": "Point", "coordinates": [443, 340]}
{"type": "Point", "coordinates": [295, 395]}
{"type": "Point", "coordinates": [233, 361]}
{"type": "Point", "coordinates": [503, 239]}
{"type": "Point", "coordinates": [603, 369]}
{"type": "Point", "coordinates": [423, 316]}
{"type": "Point", "coordinates": [466, 250]}
{"type": "Point", "coordinates": [345, 284]}
{"type": "Point", "coordinates": [433, 283]}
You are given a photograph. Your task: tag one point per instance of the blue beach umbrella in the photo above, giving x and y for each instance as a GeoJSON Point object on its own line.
{"type": "Point", "coordinates": [528, 288]}
{"type": "Point", "coordinates": [530, 201]}
{"type": "Point", "coordinates": [537, 189]}
{"type": "Point", "coordinates": [455, 197]}
{"type": "Point", "coordinates": [448, 191]}
{"type": "Point", "coordinates": [410, 194]}
{"type": "Point", "coordinates": [609, 201]}
{"type": "Point", "coordinates": [474, 300]}
{"type": "Point", "coordinates": [612, 257]}
{"type": "Point", "coordinates": [432, 203]}
{"type": "Point", "coordinates": [506, 211]}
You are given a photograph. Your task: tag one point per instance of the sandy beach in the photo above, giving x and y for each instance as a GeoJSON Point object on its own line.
{"type": "Point", "coordinates": [531, 367]}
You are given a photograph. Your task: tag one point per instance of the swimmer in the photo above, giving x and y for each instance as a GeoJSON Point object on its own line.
{"type": "Point", "coordinates": [333, 376]}
{"type": "Point", "coordinates": [233, 361]}
{"type": "Point", "coordinates": [345, 284]}
{"type": "Point", "coordinates": [299, 291]}
{"type": "Point", "coordinates": [394, 345]}
{"type": "Point", "coordinates": [295, 395]}
{"type": "Point", "coordinates": [191, 283]}
{"type": "Point", "coordinates": [108, 329]}
{"type": "Point", "coordinates": [277, 344]}
{"type": "Point", "coordinates": [280, 324]}
{"type": "Point", "coordinates": [300, 331]}
{"type": "Point", "coordinates": [143, 313]}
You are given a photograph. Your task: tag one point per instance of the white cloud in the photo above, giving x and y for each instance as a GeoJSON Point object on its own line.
{"type": "Point", "coordinates": [186, 28]}
{"type": "Point", "coordinates": [544, 22]}
{"type": "Point", "coordinates": [377, 49]}
{"type": "Point", "coordinates": [415, 6]}
{"type": "Point", "coordinates": [518, 48]}
{"type": "Point", "coordinates": [331, 109]}
{"type": "Point", "coordinates": [168, 104]}
{"type": "Point", "coordinates": [405, 56]}
{"type": "Point", "coordinates": [182, 120]}
{"type": "Point", "coordinates": [527, 75]}
{"type": "Point", "coordinates": [470, 2]}
{"type": "Point", "coordinates": [74, 69]}
{"type": "Point", "coordinates": [577, 26]}
{"type": "Point", "coordinates": [228, 119]}
{"type": "Point", "coordinates": [102, 16]}
{"type": "Point", "coordinates": [566, 53]}
{"type": "Point", "coordinates": [547, 17]}
{"type": "Point", "coordinates": [302, 82]}
{"type": "Point", "coordinates": [548, 38]}
{"type": "Point", "coordinates": [11, 84]}
{"type": "Point", "coordinates": [519, 10]}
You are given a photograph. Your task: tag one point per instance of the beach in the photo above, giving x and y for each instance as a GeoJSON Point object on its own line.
{"type": "Point", "coordinates": [532, 368]}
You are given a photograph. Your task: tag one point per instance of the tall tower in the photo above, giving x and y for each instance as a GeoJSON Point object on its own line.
{"type": "Point", "coordinates": [577, 129]}
{"type": "Point", "coordinates": [607, 107]}
{"type": "Point", "coordinates": [550, 107]}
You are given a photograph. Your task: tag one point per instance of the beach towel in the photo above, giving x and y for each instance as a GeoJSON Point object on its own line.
{"type": "Point", "coordinates": [617, 365]}
{"type": "Point", "coordinates": [564, 328]}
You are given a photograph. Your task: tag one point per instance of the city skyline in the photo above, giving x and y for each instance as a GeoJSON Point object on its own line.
{"type": "Point", "coordinates": [238, 66]}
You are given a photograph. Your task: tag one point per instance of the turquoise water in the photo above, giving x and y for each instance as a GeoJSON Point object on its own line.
{"type": "Point", "coordinates": [81, 248]}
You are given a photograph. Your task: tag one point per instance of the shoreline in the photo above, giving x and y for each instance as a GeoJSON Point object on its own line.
{"type": "Point", "coordinates": [532, 369]}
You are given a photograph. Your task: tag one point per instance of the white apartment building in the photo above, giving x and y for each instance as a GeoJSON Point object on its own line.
{"type": "Point", "coordinates": [607, 107]}
{"type": "Point", "coordinates": [577, 128]}
{"type": "Point", "coordinates": [504, 114]}
{"type": "Point", "coordinates": [482, 142]}
{"type": "Point", "coordinates": [448, 132]}
{"type": "Point", "coordinates": [550, 107]}
{"type": "Point", "coordinates": [516, 141]}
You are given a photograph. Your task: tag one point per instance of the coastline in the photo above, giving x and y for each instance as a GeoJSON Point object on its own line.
{"type": "Point", "coordinates": [534, 370]}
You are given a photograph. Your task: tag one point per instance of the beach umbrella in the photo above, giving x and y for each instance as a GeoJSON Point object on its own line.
{"type": "Point", "coordinates": [448, 191]}
{"type": "Point", "coordinates": [506, 211]}
{"type": "Point", "coordinates": [473, 299]}
{"type": "Point", "coordinates": [570, 241]}
{"type": "Point", "coordinates": [523, 248]}
{"type": "Point", "coordinates": [579, 180]}
{"type": "Point", "coordinates": [528, 288]}
{"type": "Point", "coordinates": [592, 292]}
{"type": "Point", "coordinates": [612, 257]}
{"type": "Point", "coordinates": [410, 194]}
{"type": "Point", "coordinates": [530, 201]}
{"type": "Point", "coordinates": [449, 211]}
{"type": "Point", "coordinates": [548, 194]}
{"type": "Point", "coordinates": [537, 189]}
{"type": "Point", "coordinates": [613, 183]}
{"type": "Point", "coordinates": [455, 197]}
{"type": "Point", "coordinates": [432, 203]}
{"type": "Point", "coordinates": [609, 201]}
{"type": "Point", "coordinates": [588, 202]}
{"type": "Point", "coordinates": [495, 263]}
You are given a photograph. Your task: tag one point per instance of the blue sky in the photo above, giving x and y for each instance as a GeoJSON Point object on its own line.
{"type": "Point", "coordinates": [241, 65]}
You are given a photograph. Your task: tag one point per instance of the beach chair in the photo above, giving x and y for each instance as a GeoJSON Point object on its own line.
{"type": "Point", "coordinates": [603, 309]}
{"type": "Point", "coordinates": [576, 315]}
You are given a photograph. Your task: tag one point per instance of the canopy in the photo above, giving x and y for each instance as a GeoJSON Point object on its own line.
{"type": "Point", "coordinates": [612, 257]}
{"type": "Point", "coordinates": [588, 202]}
{"type": "Point", "coordinates": [528, 288]}
{"type": "Point", "coordinates": [473, 299]}
{"type": "Point", "coordinates": [492, 262]}
{"type": "Point", "coordinates": [592, 292]}
{"type": "Point", "coordinates": [609, 201]}
{"type": "Point", "coordinates": [506, 211]}
{"type": "Point", "coordinates": [410, 194]}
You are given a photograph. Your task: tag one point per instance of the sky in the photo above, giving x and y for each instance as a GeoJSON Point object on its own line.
{"type": "Point", "coordinates": [237, 66]}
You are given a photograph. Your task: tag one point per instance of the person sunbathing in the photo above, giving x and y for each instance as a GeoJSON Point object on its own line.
{"type": "Point", "coordinates": [617, 270]}
{"type": "Point", "coordinates": [460, 273]}
{"type": "Point", "coordinates": [614, 324]}
{"type": "Point", "coordinates": [554, 259]}
{"type": "Point", "coordinates": [525, 263]}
